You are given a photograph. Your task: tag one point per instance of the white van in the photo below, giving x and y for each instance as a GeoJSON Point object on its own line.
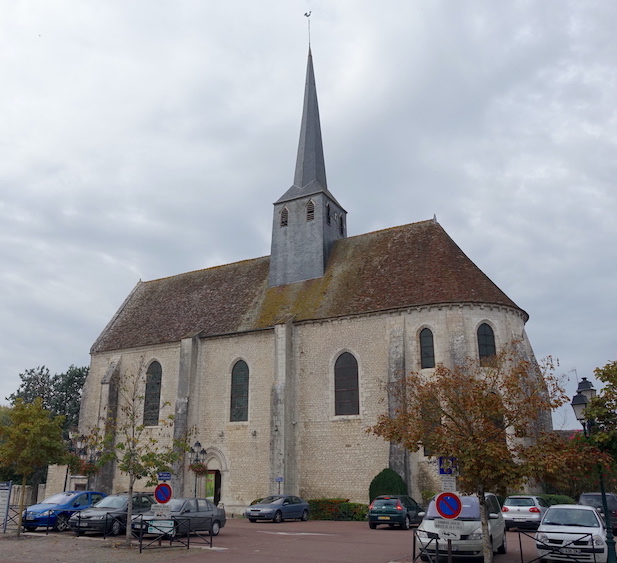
{"type": "Point", "coordinates": [464, 532]}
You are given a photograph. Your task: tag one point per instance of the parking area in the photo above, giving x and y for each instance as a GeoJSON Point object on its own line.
{"type": "Point", "coordinates": [243, 542]}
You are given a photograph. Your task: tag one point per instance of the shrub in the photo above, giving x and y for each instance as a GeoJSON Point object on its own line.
{"type": "Point", "coordinates": [558, 499]}
{"type": "Point", "coordinates": [337, 509]}
{"type": "Point", "coordinates": [388, 482]}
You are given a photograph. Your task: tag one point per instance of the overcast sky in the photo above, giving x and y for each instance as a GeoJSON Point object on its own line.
{"type": "Point", "coordinates": [143, 139]}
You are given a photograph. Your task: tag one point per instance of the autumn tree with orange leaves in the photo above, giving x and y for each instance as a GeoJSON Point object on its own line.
{"type": "Point", "coordinates": [488, 416]}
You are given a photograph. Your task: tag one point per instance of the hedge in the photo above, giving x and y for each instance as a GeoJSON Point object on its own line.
{"type": "Point", "coordinates": [337, 509]}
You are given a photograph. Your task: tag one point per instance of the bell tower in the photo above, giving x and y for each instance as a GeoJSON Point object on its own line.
{"type": "Point", "coordinates": [307, 218]}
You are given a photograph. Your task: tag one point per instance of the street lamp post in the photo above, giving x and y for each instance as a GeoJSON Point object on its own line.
{"type": "Point", "coordinates": [197, 454]}
{"type": "Point", "coordinates": [584, 393]}
{"type": "Point", "coordinates": [90, 455]}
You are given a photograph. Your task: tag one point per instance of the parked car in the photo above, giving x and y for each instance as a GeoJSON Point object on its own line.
{"type": "Point", "coordinates": [182, 515]}
{"type": "Point", "coordinates": [523, 511]}
{"type": "Point", "coordinates": [278, 508]}
{"type": "Point", "coordinates": [394, 510]}
{"type": "Point", "coordinates": [465, 532]}
{"type": "Point", "coordinates": [55, 511]}
{"type": "Point", "coordinates": [595, 500]}
{"type": "Point", "coordinates": [570, 532]}
{"type": "Point", "coordinates": [109, 515]}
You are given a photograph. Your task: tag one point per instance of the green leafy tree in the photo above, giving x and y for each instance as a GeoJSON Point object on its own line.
{"type": "Point", "coordinates": [138, 452]}
{"type": "Point", "coordinates": [60, 393]}
{"type": "Point", "coordinates": [485, 416]}
{"type": "Point", "coordinates": [31, 440]}
{"type": "Point", "coordinates": [387, 482]}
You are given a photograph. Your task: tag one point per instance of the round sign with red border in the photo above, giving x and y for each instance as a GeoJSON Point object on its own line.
{"type": "Point", "coordinates": [448, 505]}
{"type": "Point", "coordinates": [163, 493]}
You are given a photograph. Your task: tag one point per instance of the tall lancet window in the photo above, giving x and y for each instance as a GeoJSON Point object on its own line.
{"type": "Point", "coordinates": [328, 214]}
{"type": "Point", "coordinates": [239, 392]}
{"type": "Point", "coordinates": [341, 225]}
{"type": "Point", "coordinates": [486, 344]}
{"type": "Point", "coordinates": [346, 392]}
{"type": "Point", "coordinates": [284, 217]}
{"type": "Point", "coordinates": [427, 350]}
{"type": "Point", "coordinates": [152, 398]}
{"type": "Point", "coordinates": [310, 210]}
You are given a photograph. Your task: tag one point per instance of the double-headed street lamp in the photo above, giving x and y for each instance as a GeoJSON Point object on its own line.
{"type": "Point", "coordinates": [584, 393]}
{"type": "Point", "coordinates": [197, 455]}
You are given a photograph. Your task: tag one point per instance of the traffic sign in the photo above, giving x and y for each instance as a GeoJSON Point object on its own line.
{"type": "Point", "coordinates": [164, 476]}
{"type": "Point", "coordinates": [163, 493]}
{"type": "Point", "coordinates": [448, 466]}
{"type": "Point", "coordinates": [448, 505]}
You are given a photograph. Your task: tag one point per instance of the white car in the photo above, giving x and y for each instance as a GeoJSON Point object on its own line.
{"type": "Point", "coordinates": [571, 532]}
{"type": "Point", "coordinates": [464, 532]}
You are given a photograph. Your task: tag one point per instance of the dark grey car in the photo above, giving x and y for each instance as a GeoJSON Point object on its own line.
{"type": "Point", "coordinates": [180, 516]}
{"type": "Point", "coordinates": [109, 515]}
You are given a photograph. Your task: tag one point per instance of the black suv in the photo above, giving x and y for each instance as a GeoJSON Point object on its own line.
{"type": "Point", "coordinates": [394, 510]}
{"type": "Point", "coordinates": [595, 500]}
{"type": "Point", "coordinates": [108, 516]}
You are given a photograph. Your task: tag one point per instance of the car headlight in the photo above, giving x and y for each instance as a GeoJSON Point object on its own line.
{"type": "Point", "coordinates": [266, 510]}
{"type": "Point", "coordinates": [46, 513]}
{"type": "Point", "coordinates": [598, 540]}
{"type": "Point", "coordinates": [542, 538]}
{"type": "Point", "coordinates": [102, 517]}
{"type": "Point", "coordinates": [477, 535]}
{"type": "Point", "coordinates": [422, 534]}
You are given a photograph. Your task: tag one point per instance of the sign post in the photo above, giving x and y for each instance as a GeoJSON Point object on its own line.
{"type": "Point", "coordinates": [448, 505]}
{"type": "Point", "coordinates": [163, 493]}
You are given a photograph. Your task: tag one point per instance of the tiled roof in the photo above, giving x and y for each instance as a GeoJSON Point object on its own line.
{"type": "Point", "coordinates": [412, 265]}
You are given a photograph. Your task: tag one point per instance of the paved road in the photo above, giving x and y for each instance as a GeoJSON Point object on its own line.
{"type": "Point", "coordinates": [243, 542]}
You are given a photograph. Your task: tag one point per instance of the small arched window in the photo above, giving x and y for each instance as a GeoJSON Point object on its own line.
{"type": "Point", "coordinates": [341, 225]}
{"type": "Point", "coordinates": [486, 344]}
{"type": "Point", "coordinates": [284, 217]}
{"type": "Point", "coordinates": [328, 214]}
{"type": "Point", "coordinates": [427, 350]}
{"type": "Point", "coordinates": [239, 392]}
{"type": "Point", "coordinates": [346, 392]}
{"type": "Point", "coordinates": [152, 398]}
{"type": "Point", "coordinates": [310, 210]}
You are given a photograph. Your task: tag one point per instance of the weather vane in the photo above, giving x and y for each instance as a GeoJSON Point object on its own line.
{"type": "Point", "coordinates": [308, 17]}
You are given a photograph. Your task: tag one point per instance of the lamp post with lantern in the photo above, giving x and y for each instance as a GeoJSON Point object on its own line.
{"type": "Point", "coordinates": [584, 393]}
{"type": "Point", "coordinates": [197, 456]}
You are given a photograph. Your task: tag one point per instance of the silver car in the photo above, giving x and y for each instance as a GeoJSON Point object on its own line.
{"type": "Point", "coordinates": [523, 511]}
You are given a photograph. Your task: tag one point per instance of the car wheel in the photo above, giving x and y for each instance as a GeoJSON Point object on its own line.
{"type": "Point", "coordinates": [423, 557]}
{"type": "Point", "coordinates": [503, 548]}
{"type": "Point", "coordinates": [253, 520]}
{"type": "Point", "coordinates": [79, 533]}
{"type": "Point", "coordinates": [278, 517]}
{"type": "Point", "coordinates": [62, 523]}
{"type": "Point", "coordinates": [372, 525]}
{"type": "Point", "coordinates": [29, 528]}
{"type": "Point", "coordinates": [116, 527]}
{"type": "Point", "coordinates": [406, 523]}
{"type": "Point", "coordinates": [305, 515]}
{"type": "Point", "coordinates": [216, 528]}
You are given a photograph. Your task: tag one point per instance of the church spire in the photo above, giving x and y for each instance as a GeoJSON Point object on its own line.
{"type": "Point", "coordinates": [310, 172]}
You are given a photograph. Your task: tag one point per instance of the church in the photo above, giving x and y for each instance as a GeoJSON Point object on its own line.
{"type": "Point", "coordinates": [278, 365]}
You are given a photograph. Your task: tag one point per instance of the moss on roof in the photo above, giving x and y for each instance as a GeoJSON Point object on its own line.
{"type": "Point", "coordinates": [397, 268]}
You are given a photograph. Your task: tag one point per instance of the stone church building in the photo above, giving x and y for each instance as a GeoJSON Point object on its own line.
{"type": "Point", "coordinates": [279, 364]}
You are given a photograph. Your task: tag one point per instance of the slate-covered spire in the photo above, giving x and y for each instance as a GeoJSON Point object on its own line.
{"type": "Point", "coordinates": [310, 173]}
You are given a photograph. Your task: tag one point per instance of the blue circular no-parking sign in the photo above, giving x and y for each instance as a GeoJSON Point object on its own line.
{"type": "Point", "coordinates": [448, 505]}
{"type": "Point", "coordinates": [162, 493]}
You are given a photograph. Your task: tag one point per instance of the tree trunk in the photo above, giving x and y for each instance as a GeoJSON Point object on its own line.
{"type": "Point", "coordinates": [487, 544]}
{"type": "Point", "coordinates": [129, 513]}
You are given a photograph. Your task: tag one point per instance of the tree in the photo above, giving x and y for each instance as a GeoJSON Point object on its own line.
{"type": "Point", "coordinates": [31, 440]}
{"type": "Point", "coordinates": [485, 416]}
{"type": "Point", "coordinates": [602, 409]}
{"type": "Point", "coordinates": [137, 451]}
{"type": "Point", "coordinates": [60, 393]}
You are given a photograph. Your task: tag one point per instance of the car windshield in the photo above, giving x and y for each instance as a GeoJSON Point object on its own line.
{"type": "Point", "coordinates": [519, 502]}
{"type": "Point", "coordinates": [469, 511]}
{"type": "Point", "coordinates": [175, 504]}
{"type": "Point", "coordinates": [571, 517]}
{"type": "Point", "coordinates": [111, 502]}
{"type": "Point", "coordinates": [596, 501]}
{"type": "Point", "coordinates": [272, 500]}
{"type": "Point", "coordinates": [59, 498]}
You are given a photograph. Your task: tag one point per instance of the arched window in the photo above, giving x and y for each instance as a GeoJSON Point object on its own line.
{"type": "Point", "coordinates": [486, 344]}
{"type": "Point", "coordinates": [284, 217]}
{"type": "Point", "coordinates": [310, 210]}
{"type": "Point", "coordinates": [328, 214]}
{"type": "Point", "coordinates": [152, 398]}
{"type": "Point", "coordinates": [427, 350]}
{"type": "Point", "coordinates": [239, 392]}
{"type": "Point", "coordinates": [346, 392]}
{"type": "Point", "coordinates": [341, 225]}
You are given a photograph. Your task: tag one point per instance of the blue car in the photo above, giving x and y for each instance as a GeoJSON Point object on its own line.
{"type": "Point", "coordinates": [55, 511]}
